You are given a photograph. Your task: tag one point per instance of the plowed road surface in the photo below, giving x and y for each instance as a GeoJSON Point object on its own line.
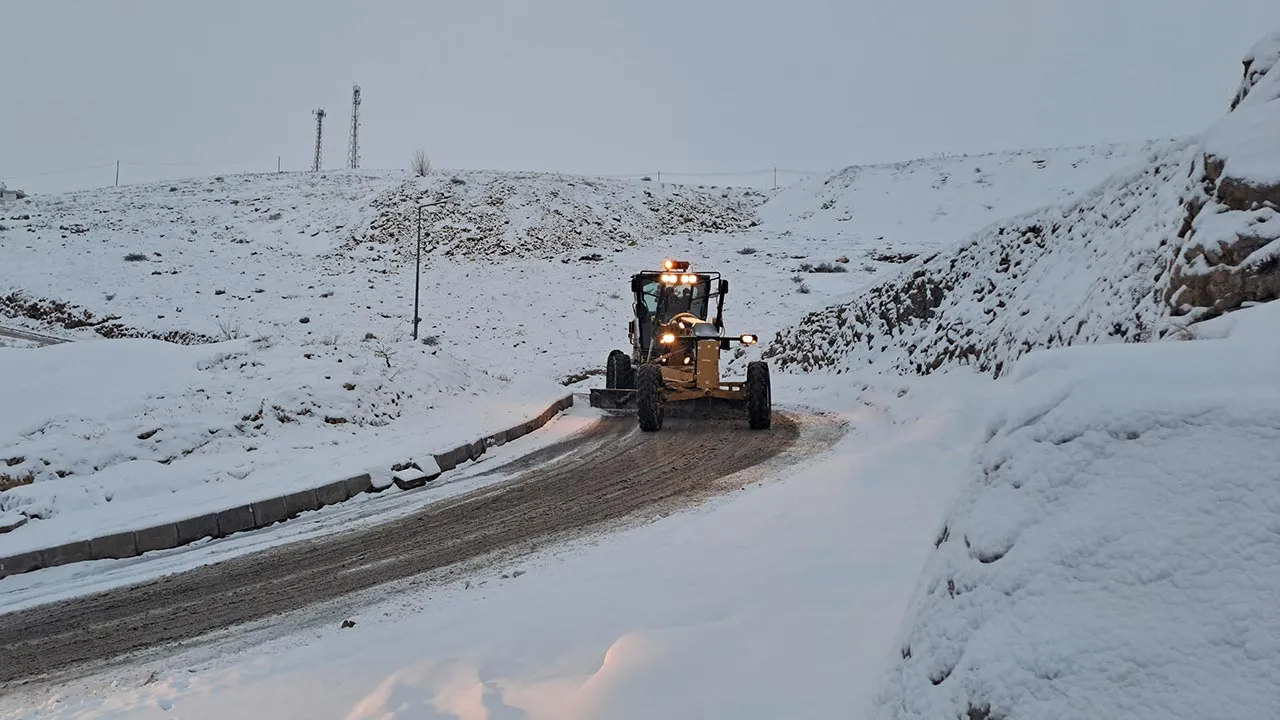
{"type": "Point", "coordinates": [28, 336]}
{"type": "Point", "coordinates": [607, 472]}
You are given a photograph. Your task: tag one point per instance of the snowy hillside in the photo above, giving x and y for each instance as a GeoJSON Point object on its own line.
{"type": "Point", "coordinates": [1114, 550]}
{"type": "Point", "coordinates": [918, 206]}
{"type": "Point", "coordinates": [1079, 271]}
{"type": "Point", "coordinates": [1189, 233]}
{"type": "Point", "coordinates": [542, 216]}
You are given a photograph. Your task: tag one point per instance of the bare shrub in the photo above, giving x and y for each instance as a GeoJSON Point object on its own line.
{"type": "Point", "coordinates": [421, 164]}
{"type": "Point", "coordinates": [383, 351]}
{"type": "Point", "coordinates": [229, 330]}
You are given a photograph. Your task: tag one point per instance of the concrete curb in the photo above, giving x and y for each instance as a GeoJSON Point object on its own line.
{"type": "Point", "coordinates": [255, 515]}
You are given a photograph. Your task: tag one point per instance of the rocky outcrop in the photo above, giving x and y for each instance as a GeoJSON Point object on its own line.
{"type": "Point", "coordinates": [1229, 252]}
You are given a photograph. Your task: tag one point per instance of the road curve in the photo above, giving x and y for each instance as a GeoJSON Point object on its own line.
{"type": "Point", "coordinates": [29, 336]}
{"type": "Point", "coordinates": [608, 471]}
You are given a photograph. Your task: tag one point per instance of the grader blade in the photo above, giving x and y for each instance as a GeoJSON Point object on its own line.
{"type": "Point", "coordinates": [613, 399]}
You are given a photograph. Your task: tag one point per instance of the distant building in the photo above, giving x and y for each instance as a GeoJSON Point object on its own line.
{"type": "Point", "coordinates": [7, 194]}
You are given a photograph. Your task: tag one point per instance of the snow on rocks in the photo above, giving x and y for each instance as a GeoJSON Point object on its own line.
{"type": "Point", "coordinates": [542, 215]}
{"type": "Point", "coordinates": [1261, 81]}
{"type": "Point", "coordinates": [1115, 552]}
{"type": "Point", "coordinates": [1230, 253]}
{"type": "Point", "coordinates": [1080, 271]}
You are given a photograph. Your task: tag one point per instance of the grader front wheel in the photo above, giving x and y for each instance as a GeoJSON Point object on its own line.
{"type": "Point", "coordinates": [649, 396]}
{"type": "Point", "coordinates": [759, 396]}
{"type": "Point", "coordinates": [618, 372]}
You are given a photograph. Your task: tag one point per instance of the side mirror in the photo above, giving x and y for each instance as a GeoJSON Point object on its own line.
{"type": "Point", "coordinates": [637, 284]}
{"type": "Point", "coordinates": [724, 287]}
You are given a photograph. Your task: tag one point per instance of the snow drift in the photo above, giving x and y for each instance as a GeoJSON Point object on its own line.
{"type": "Point", "coordinates": [1115, 553]}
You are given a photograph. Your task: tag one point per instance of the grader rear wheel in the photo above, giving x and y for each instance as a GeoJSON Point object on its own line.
{"type": "Point", "coordinates": [649, 396]}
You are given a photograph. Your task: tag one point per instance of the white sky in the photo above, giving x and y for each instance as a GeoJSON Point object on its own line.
{"type": "Point", "coordinates": [597, 86]}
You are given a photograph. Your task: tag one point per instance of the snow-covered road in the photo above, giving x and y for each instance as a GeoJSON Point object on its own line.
{"type": "Point", "coordinates": [604, 473]}
{"type": "Point", "coordinates": [27, 337]}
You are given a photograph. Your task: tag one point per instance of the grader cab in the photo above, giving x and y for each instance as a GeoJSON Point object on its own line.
{"type": "Point", "coordinates": [674, 363]}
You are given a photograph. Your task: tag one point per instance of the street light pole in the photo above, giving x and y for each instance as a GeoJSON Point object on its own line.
{"type": "Point", "coordinates": [417, 275]}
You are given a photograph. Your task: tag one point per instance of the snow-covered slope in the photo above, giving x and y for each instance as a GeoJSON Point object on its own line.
{"type": "Point", "coordinates": [491, 215]}
{"type": "Point", "coordinates": [919, 206]}
{"type": "Point", "coordinates": [1116, 551]}
{"type": "Point", "coordinates": [1084, 270]}
{"type": "Point", "coordinates": [1192, 230]}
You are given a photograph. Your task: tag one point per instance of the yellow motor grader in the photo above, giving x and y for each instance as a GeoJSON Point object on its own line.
{"type": "Point", "coordinates": [674, 363]}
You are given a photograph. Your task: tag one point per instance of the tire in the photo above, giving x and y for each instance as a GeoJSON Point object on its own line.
{"type": "Point", "coordinates": [617, 371]}
{"type": "Point", "coordinates": [759, 396]}
{"type": "Point", "coordinates": [649, 396]}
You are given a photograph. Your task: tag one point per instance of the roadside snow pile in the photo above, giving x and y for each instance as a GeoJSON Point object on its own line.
{"type": "Point", "coordinates": [100, 433]}
{"type": "Point", "coordinates": [1117, 550]}
{"type": "Point", "coordinates": [1231, 251]}
{"type": "Point", "coordinates": [544, 215]}
{"type": "Point", "coordinates": [1081, 271]}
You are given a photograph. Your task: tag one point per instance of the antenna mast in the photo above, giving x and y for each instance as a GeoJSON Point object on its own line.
{"type": "Point", "coordinates": [319, 113]}
{"type": "Point", "coordinates": [353, 152]}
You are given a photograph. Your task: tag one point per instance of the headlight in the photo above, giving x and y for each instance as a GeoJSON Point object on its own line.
{"type": "Point", "coordinates": [688, 279]}
{"type": "Point", "coordinates": [668, 338]}
{"type": "Point", "coordinates": [748, 339]}
{"type": "Point", "coordinates": [670, 279]}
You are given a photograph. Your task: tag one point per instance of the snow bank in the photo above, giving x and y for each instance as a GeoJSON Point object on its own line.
{"type": "Point", "coordinates": [1081, 271]}
{"type": "Point", "coordinates": [1115, 552]}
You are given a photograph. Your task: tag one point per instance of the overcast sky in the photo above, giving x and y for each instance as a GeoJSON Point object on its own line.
{"type": "Point", "coordinates": [597, 86]}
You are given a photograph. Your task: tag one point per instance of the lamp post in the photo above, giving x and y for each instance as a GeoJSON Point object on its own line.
{"type": "Point", "coordinates": [417, 275]}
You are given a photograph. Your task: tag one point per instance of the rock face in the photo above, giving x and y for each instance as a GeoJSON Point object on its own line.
{"type": "Point", "coordinates": [1230, 238]}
